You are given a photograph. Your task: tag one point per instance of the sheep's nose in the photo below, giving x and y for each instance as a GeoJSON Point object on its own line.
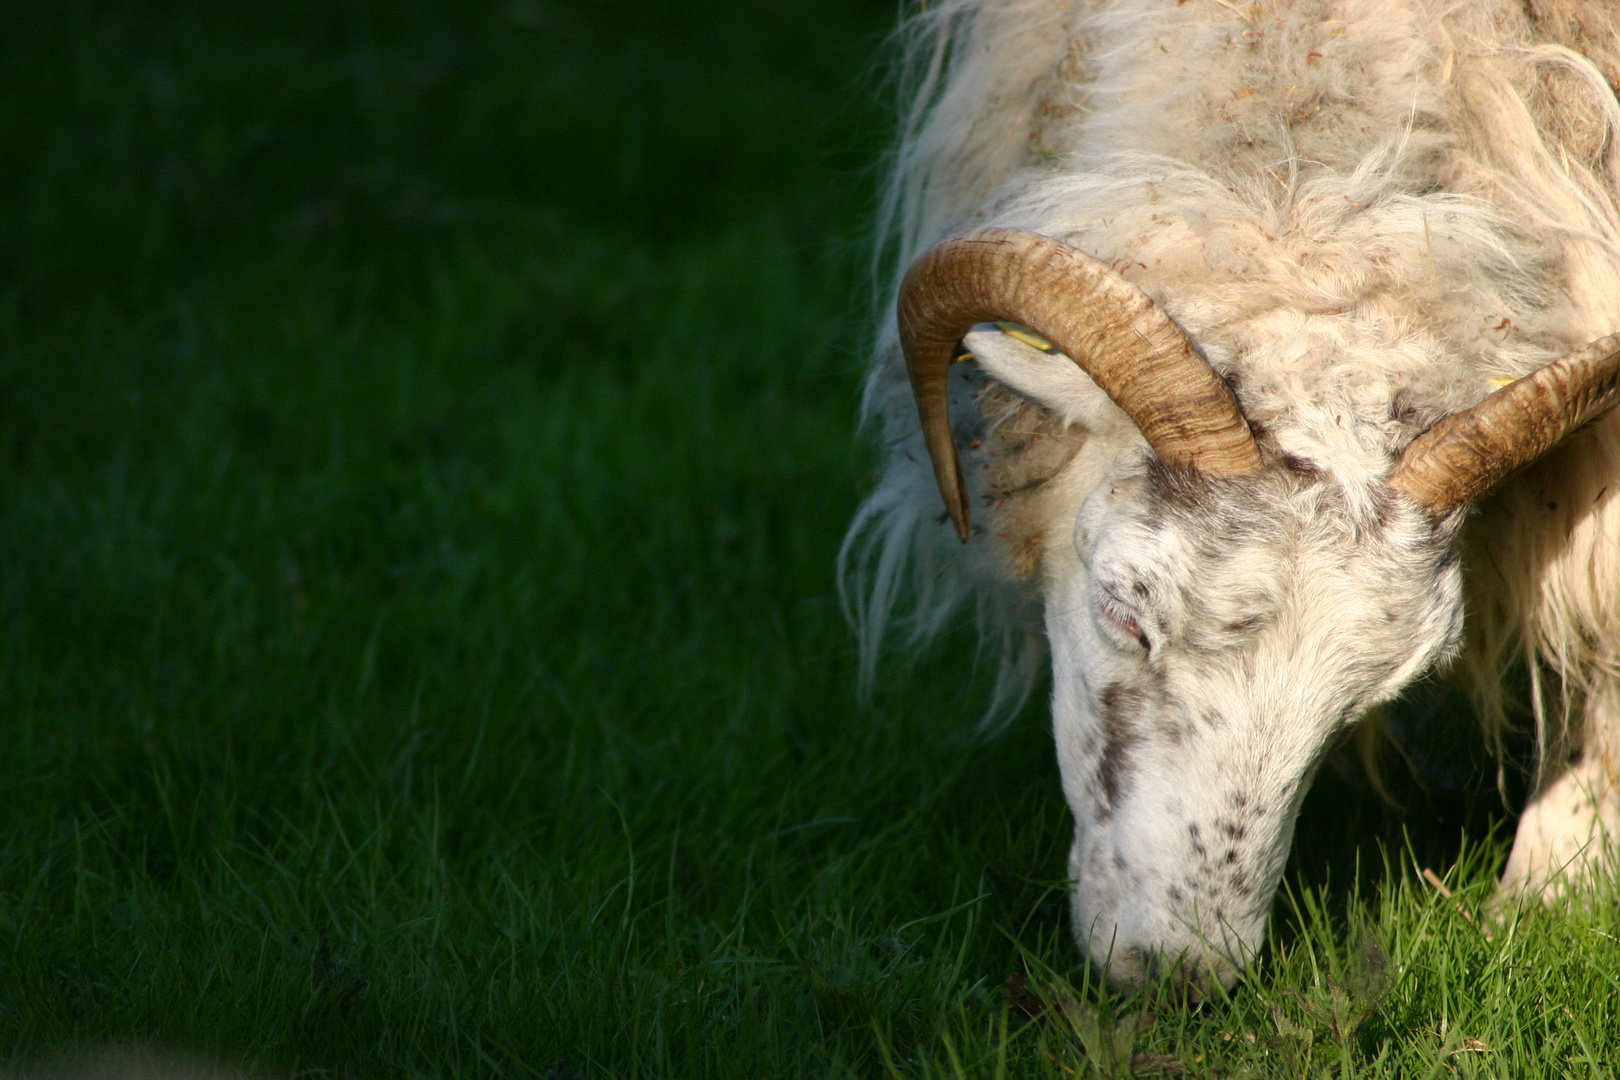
{"type": "Point", "coordinates": [1131, 967]}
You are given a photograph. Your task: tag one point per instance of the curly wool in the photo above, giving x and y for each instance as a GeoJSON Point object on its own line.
{"type": "Point", "coordinates": [1423, 190]}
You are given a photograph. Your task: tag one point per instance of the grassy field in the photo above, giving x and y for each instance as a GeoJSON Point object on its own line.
{"type": "Point", "coordinates": [425, 433]}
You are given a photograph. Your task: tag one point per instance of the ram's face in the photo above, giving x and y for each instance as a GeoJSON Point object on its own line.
{"type": "Point", "coordinates": [1219, 607]}
{"type": "Point", "coordinates": [1211, 637]}
{"type": "Point", "coordinates": [1210, 641]}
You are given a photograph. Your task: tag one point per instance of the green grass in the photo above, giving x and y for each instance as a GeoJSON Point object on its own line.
{"type": "Point", "coordinates": [425, 432]}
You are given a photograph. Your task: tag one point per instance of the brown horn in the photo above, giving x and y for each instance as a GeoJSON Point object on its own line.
{"type": "Point", "coordinates": [1469, 453]}
{"type": "Point", "coordinates": [1106, 325]}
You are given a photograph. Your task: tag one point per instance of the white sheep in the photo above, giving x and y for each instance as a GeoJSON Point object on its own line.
{"type": "Point", "coordinates": [1334, 275]}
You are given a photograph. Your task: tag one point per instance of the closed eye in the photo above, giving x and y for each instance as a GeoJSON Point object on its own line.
{"type": "Point", "coordinates": [1127, 624]}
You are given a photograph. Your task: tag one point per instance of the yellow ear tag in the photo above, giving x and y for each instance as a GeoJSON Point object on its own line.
{"type": "Point", "coordinates": [1026, 335]}
{"type": "Point", "coordinates": [1502, 380]}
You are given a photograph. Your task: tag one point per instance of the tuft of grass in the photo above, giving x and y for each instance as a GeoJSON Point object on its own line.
{"type": "Point", "coordinates": [425, 431]}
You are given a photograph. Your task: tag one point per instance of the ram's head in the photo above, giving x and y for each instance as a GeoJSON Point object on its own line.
{"type": "Point", "coordinates": [1222, 613]}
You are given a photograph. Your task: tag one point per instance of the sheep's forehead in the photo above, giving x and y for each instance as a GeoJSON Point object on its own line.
{"type": "Point", "coordinates": [1227, 564]}
{"type": "Point", "coordinates": [1194, 568]}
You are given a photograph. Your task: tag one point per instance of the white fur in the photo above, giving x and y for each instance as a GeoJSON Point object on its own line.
{"type": "Point", "coordinates": [1366, 213]}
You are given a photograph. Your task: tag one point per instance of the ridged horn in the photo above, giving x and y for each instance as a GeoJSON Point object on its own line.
{"type": "Point", "coordinates": [1469, 453]}
{"type": "Point", "coordinates": [1106, 325]}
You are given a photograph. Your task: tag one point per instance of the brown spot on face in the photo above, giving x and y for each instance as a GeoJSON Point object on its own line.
{"type": "Point", "coordinates": [1118, 705]}
{"type": "Point", "coordinates": [1181, 487]}
{"type": "Point", "coordinates": [1296, 464]}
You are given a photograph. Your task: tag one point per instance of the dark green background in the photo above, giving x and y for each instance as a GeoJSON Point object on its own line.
{"type": "Point", "coordinates": [425, 434]}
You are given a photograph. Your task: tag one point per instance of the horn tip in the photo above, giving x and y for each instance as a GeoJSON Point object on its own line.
{"type": "Point", "coordinates": [959, 515]}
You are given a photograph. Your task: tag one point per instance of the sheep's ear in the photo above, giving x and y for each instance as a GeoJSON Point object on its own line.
{"type": "Point", "coordinates": [1030, 365]}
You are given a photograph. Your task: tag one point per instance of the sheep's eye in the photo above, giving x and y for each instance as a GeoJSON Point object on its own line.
{"type": "Point", "coordinates": [1129, 625]}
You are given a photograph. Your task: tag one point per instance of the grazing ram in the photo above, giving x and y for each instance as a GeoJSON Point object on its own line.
{"type": "Point", "coordinates": [1334, 276]}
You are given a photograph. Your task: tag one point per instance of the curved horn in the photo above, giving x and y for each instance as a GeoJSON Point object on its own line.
{"type": "Point", "coordinates": [1105, 324]}
{"type": "Point", "coordinates": [1468, 453]}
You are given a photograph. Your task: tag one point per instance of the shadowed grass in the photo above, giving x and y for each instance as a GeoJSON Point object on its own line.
{"type": "Point", "coordinates": [425, 431]}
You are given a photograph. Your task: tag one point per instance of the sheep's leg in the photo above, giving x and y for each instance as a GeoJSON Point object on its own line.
{"type": "Point", "coordinates": [1569, 829]}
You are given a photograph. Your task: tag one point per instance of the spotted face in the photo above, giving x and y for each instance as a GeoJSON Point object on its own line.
{"type": "Point", "coordinates": [1210, 640]}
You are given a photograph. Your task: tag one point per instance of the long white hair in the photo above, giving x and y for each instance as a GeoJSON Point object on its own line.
{"type": "Point", "coordinates": [999, 91]}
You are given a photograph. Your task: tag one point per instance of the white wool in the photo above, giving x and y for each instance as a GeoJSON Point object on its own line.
{"type": "Point", "coordinates": [1438, 197]}
{"type": "Point", "coordinates": [1367, 214]}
